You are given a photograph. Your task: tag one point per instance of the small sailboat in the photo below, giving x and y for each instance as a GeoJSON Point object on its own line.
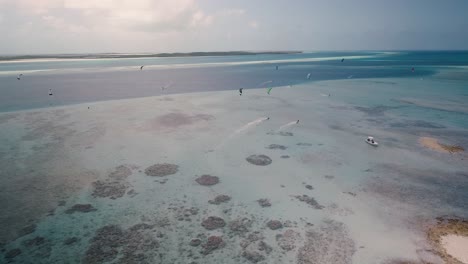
{"type": "Point", "coordinates": [371, 141]}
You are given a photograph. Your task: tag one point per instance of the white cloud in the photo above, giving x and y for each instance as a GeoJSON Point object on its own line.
{"type": "Point", "coordinates": [33, 4]}
{"type": "Point", "coordinates": [200, 19]}
{"type": "Point", "coordinates": [253, 24]}
{"type": "Point", "coordinates": [117, 15]}
{"type": "Point", "coordinates": [163, 15]}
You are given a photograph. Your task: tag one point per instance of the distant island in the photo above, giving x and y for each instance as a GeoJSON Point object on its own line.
{"type": "Point", "coordinates": [122, 55]}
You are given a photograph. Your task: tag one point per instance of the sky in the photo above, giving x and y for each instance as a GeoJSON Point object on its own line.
{"type": "Point", "coordinates": [133, 26]}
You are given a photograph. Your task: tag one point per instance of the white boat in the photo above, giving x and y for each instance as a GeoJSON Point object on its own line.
{"type": "Point", "coordinates": [371, 141]}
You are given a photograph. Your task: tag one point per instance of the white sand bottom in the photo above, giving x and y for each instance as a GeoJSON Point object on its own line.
{"type": "Point", "coordinates": [456, 246]}
{"type": "Point", "coordinates": [339, 199]}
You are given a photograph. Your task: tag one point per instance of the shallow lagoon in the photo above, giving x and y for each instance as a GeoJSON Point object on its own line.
{"type": "Point", "coordinates": [338, 199]}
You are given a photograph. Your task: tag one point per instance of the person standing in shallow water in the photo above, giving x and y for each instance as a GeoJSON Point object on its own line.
{"type": "Point", "coordinates": [240, 91]}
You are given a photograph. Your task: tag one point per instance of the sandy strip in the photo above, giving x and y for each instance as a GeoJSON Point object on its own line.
{"type": "Point", "coordinates": [434, 144]}
{"type": "Point", "coordinates": [456, 246]}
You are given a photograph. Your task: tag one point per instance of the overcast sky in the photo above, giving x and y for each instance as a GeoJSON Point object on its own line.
{"type": "Point", "coordinates": [86, 26]}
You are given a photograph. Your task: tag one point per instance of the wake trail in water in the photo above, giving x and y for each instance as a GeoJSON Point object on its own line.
{"type": "Point", "coordinates": [249, 125]}
{"type": "Point", "coordinates": [287, 125]}
{"type": "Point", "coordinates": [243, 129]}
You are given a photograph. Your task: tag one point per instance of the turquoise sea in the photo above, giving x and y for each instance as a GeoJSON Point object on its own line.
{"type": "Point", "coordinates": [442, 76]}
{"type": "Point", "coordinates": [112, 168]}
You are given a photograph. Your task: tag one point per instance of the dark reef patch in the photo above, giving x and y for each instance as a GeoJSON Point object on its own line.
{"type": "Point", "coordinates": [213, 222]}
{"type": "Point", "coordinates": [251, 238]}
{"type": "Point", "coordinates": [331, 243]}
{"type": "Point", "coordinates": [207, 180]}
{"type": "Point", "coordinates": [350, 193]}
{"type": "Point", "coordinates": [220, 199]}
{"type": "Point", "coordinates": [115, 186]}
{"type": "Point", "coordinates": [213, 243]}
{"type": "Point", "coordinates": [120, 173]}
{"type": "Point", "coordinates": [276, 146]}
{"type": "Point", "coordinates": [12, 253]}
{"type": "Point", "coordinates": [378, 110]}
{"type": "Point", "coordinates": [288, 239]}
{"type": "Point", "coordinates": [134, 245]}
{"type": "Point", "coordinates": [110, 189]}
{"type": "Point", "coordinates": [82, 208]}
{"type": "Point", "coordinates": [132, 193]}
{"type": "Point", "coordinates": [263, 246]}
{"type": "Point", "coordinates": [29, 229]}
{"type": "Point", "coordinates": [184, 214]}
{"type": "Point", "coordinates": [105, 245]}
{"type": "Point", "coordinates": [253, 256]}
{"type": "Point", "coordinates": [161, 170]}
{"type": "Point", "coordinates": [335, 127]}
{"type": "Point", "coordinates": [240, 225]}
{"type": "Point", "coordinates": [285, 156]}
{"type": "Point", "coordinates": [309, 200]}
{"type": "Point", "coordinates": [37, 241]}
{"type": "Point", "coordinates": [259, 160]}
{"type": "Point", "coordinates": [285, 134]}
{"type": "Point", "coordinates": [264, 202]}
{"type": "Point", "coordinates": [274, 224]}
{"type": "Point", "coordinates": [70, 241]}
{"type": "Point", "coordinates": [195, 242]}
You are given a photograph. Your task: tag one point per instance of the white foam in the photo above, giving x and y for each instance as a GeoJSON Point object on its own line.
{"type": "Point", "coordinates": [287, 125]}
{"type": "Point", "coordinates": [242, 130]}
{"type": "Point", "coordinates": [250, 125]}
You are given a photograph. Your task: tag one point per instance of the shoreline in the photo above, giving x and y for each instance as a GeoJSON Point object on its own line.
{"type": "Point", "coordinates": [456, 246]}
{"type": "Point", "coordinates": [98, 56]}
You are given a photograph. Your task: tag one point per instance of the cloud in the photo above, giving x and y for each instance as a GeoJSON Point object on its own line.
{"type": "Point", "coordinates": [200, 19]}
{"type": "Point", "coordinates": [115, 15]}
{"type": "Point", "coordinates": [60, 24]}
{"type": "Point", "coordinates": [31, 6]}
{"type": "Point", "coordinates": [253, 24]}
